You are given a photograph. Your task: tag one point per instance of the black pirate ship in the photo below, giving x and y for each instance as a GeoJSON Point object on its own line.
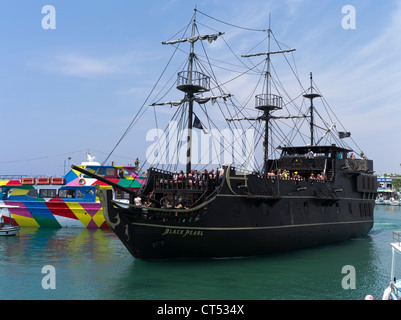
{"type": "Point", "coordinates": [300, 195]}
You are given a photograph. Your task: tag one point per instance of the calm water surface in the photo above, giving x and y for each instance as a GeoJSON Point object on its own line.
{"type": "Point", "coordinates": [93, 264]}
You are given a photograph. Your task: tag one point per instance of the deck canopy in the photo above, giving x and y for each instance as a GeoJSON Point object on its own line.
{"type": "Point", "coordinates": [318, 150]}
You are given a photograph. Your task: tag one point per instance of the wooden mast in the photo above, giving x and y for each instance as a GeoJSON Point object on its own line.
{"type": "Point", "coordinates": [267, 102]}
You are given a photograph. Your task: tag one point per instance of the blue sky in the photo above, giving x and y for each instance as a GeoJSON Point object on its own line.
{"type": "Point", "coordinates": [77, 87]}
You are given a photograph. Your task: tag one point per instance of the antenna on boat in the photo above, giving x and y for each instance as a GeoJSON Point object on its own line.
{"type": "Point", "coordinates": [267, 102]}
{"type": "Point", "coordinates": [311, 96]}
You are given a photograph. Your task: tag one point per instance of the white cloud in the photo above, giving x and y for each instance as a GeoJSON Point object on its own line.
{"type": "Point", "coordinates": [89, 66]}
{"type": "Point", "coordinates": [293, 6]}
{"type": "Point", "coordinates": [83, 66]}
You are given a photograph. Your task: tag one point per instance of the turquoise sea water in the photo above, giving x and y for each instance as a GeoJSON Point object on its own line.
{"type": "Point", "coordinates": [93, 264]}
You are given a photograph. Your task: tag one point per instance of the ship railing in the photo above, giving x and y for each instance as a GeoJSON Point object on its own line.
{"type": "Point", "coordinates": [299, 162]}
{"type": "Point", "coordinates": [195, 79]}
{"type": "Point", "coordinates": [12, 177]}
{"type": "Point", "coordinates": [395, 290]}
{"type": "Point", "coordinates": [169, 181]}
{"type": "Point", "coordinates": [271, 100]}
{"type": "Point", "coordinates": [359, 165]}
{"type": "Point", "coordinates": [242, 171]}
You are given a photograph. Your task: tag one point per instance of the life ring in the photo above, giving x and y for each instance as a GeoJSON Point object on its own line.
{"type": "Point", "coordinates": [82, 181]}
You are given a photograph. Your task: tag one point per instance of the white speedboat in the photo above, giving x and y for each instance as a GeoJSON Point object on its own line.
{"type": "Point", "coordinates": [393, 291]}
{"type": "Point", "coordinates": [7, 229]}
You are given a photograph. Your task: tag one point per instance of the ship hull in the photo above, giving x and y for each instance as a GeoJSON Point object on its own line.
{"type": "Point", "coordinates": [60, 214]}
{"type": "Point", "coordinates": [155, 242]}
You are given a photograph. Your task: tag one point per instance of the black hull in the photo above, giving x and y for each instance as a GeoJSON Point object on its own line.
{"type": "Point", "coordinates": [147, 242]}
{"type": "Point", "coordinates": [238, 225]}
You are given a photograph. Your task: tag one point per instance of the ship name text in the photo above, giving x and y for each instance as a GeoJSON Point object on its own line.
{"type": "Point", "coordinates": [182, 232]}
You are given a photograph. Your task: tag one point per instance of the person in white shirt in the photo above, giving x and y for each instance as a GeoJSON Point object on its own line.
{"type": "Point", "coordinates": [138, 201]}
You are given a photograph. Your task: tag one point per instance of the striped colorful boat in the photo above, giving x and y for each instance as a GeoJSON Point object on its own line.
{"type": "Point", "coordinates": [67, 201]}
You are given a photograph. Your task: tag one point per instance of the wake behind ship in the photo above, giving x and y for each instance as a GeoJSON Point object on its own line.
{"type": "Point", "coordinates": [300, 195]}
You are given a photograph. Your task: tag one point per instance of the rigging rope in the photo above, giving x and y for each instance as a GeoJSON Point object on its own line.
{"type": "Point", "coordinates": [229, 24]}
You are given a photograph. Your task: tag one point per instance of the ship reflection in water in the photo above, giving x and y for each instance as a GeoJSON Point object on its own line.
{"type": "Point", "coordinates": [94, 264]}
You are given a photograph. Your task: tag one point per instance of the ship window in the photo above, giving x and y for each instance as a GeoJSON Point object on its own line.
{"type": "Point", "coordinates": [47, 193]}
{"type": "Point", "coordinates": [110, 171]}
{"type": "Point", "coordinates": [32, 193]}
{"type": "Point", "coordinates": [65, 193]}
{"type": "Point", "coordinates": [79, 194]}
{"type": "Point", "coordinates": [121, 194]}
{"type": "Point", "coordinates": [350, 208]}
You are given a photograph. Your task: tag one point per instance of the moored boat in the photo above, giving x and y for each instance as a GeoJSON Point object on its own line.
{"type": "Point", "coordinates": [393, 291]}
{"type": "Point", "coordinates": [66, 201]}
{"type": "Point", "coordinates": [7, 229]}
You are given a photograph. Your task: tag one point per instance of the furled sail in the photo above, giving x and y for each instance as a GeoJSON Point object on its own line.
{"type": "Point", "coordinates": [200, 100]}
{"type": "Point", "coordinates": [208, 37]}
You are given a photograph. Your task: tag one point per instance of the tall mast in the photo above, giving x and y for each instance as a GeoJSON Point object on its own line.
{"type": "Point", "coordinates": [267, 102]}
{"type": "Point", "coordinates": [311, 96]}
{"type": "Point", "coordinates": [192, 81]}
{"type": "Point", "coordinates": [190, 96]}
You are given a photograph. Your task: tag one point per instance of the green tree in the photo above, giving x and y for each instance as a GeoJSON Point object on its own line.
{"type": "Point", "coordinates": [397, 184]}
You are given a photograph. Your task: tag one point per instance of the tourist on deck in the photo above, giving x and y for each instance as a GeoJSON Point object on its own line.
{"type": "Point", "coordinates": [221, 172]}
{"type": "Point", "coordinates": [190, 180]}
{"type": "Point", "coordinates": [138, 200]}
{"type": "Point", "coordinates": [180, 204]}
{"type": "Point", "coordinates": [310, 157]}
{"type": "Point", "coordinates": [165, 202]}
{"type": "Point", "coordinates": [271, 175]}
{"type": "Point", "coordinates": [296, 176]}
{"type": "Point", "coordinates": [322, 177]}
